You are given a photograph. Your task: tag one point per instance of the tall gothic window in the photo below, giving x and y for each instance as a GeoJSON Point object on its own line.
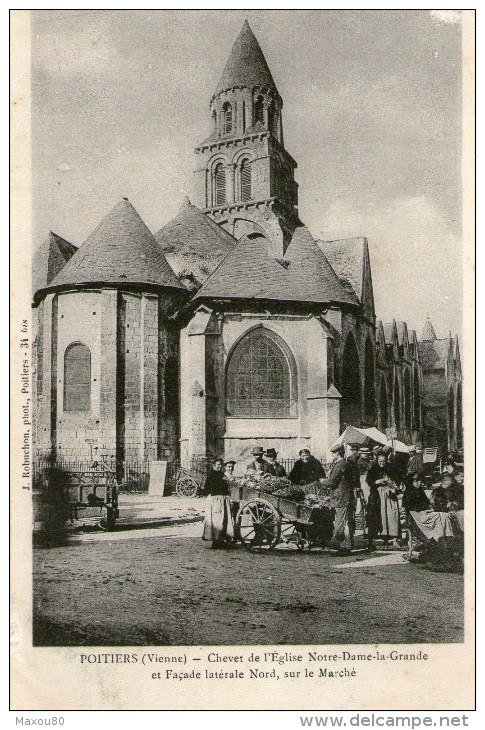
{"type": "Point", "coordinates": [219, 185]}
{"type": "Point", "coordinates": [259, 110]}
{"type": "Point", "coordinates": [246, 180]}
{"type": "Point", "coordinates": [227, 118]}
{"type": "Point", "coordinates": [77, 378]}
{"type": "Point", "coordinates": [260, 379]}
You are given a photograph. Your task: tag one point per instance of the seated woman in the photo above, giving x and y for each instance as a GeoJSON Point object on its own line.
{"type": "Point", "coordinates": [440, 498]}
{"type": "Point", "coordinates": [218, 523]}
{"type": "Point", "coordinates": [456, 493]}
{"type": "Point", "coordinates": [414, 497]}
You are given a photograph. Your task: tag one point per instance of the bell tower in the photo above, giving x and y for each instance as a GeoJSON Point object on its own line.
{"type": "Point", "coordinates": [245, 179]}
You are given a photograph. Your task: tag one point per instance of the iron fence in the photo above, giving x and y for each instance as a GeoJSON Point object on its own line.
{"type": "Point", "coordinates": [136, 474]}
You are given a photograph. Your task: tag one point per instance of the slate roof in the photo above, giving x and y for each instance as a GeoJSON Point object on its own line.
{"type": "Point", "coordinates": [249, 272]}
{"type": "Point", "coordinates": [246, 65]}
{"type": "Point", "coordinates": [193, 242]}
{"type": "Point", "coordinates": [434, 354]}
{"type": "Point", "coordinates": [346, 257]}
{"type": "Point", "coordinates": [312, 272]}
{"type": "Point", "coordinates": [49, 259]}
{"type": "Point", "coordinates": [428, 332]}
{"type": "Point", "coordinates": [120, 250]}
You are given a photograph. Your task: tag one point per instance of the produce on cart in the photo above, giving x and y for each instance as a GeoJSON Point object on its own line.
{"type": "Point", "coordinates": [271, 510]}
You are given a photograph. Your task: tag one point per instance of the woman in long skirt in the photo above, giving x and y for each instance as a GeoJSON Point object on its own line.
{"type": "Point", "coordinates": [218, 523]}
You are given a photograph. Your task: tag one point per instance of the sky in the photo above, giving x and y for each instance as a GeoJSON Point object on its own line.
{"type": "Point", "coordinates": [372, 115]}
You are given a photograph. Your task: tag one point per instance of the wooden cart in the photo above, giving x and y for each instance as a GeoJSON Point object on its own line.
{"type": "Point", "coordinates": [264, 520]}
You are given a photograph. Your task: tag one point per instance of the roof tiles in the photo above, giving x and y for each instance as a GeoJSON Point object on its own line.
{"type": "Point", "coordinates": [49, 259]}
{"type": "Point", "coordinates": [120, 250]}
{"type": "Point", "coordinates": [193, 241]}
{"type": "Point", "coordinates": [310, 269]}
{"type": "Point", "coordinates": [246, 65]}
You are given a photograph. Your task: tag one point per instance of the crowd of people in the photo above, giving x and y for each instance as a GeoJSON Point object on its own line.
{"type": "Point", "coordinates": [386, 490]}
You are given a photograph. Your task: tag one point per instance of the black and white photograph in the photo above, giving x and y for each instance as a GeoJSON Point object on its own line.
{"type": "Point", "coordinates": [247, 360]}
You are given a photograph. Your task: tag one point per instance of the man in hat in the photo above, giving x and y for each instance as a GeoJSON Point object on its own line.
{"type": "Point", "coordinates": [272, 466]}
{"type": "Point", "coordinates": [307, 469]}
{"type": "Point", "coordinates": [258, 464]}
{"type": "Point", "coordinates": [342, 499]}
{"type": "Point", "coordinates": [353, 461]}
{"type": "Point", "coordinates": [415, 462]}
{"type": "Point", "coordinates": [364, 459]}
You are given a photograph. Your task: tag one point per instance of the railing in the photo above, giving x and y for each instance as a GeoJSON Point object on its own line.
{"type": "Point", "coordinates": [136, 474]}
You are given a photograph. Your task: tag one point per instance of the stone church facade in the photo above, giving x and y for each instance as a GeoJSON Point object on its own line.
{"type": "Point", "coordinates": [232, 325]}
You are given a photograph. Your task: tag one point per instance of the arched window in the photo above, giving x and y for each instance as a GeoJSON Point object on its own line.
{"type": "Point", "coordinates": [407, 398]}
{"type": "Point", "coordinates": [77, 378]}
{"type": "Point", "coordinates": [261, 381]}
{"type": "Point", "coordinates": [396, 402]}
{"type": "Point", "coordinates": [459, 417]}
{"type": "Point", "coordinates": [214, 120]}
{"type": "Point", "coordinates": [273, 119]}
{"type": "Point", "coordinates": [245, 180]}
{"type": "Point", "coordinates": [227, 118]}
{"type": "Point", "coordinates": [416, 401]}
{"type": "Point", "coordinates": [350, 386]}
{"type": "Point", "coordinates": [369, 380]}
{"type": "Point", "coordinates": [451, 419]}
{"type": "Point", "coordinates": [219, 185]}
{"type": "Point", "coordinates": [383, 406]}
{"type": "Point", "coordinates": [259, 110]}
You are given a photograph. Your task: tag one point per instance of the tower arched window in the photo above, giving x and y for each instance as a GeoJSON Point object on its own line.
{"type": "Point", "coordinates": [273, 118]}
{"type": "Point", "coordinates": [259, 110]}
{"type": "Point", "coordinates": [245, 180]}
{"type": "Point", "coordinates": [219, 185]}
{"type": "Point", "coordinates": [77, 378]}
{"type": "Point", "coordinates": [261, 378]}
{"type": "Point", "coordinates": [227, 118]}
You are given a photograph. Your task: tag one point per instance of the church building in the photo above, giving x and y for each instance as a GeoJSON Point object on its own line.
{"type": "Point", "coordinates": [231, 326]}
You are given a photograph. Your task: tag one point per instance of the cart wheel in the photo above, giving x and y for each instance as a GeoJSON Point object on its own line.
{"type": "Point", "coordinates": [259, 525]}
{"type": "Point", "coordinates": [186, 487]}
{"type": "Point", "coordinates": [292, 536]}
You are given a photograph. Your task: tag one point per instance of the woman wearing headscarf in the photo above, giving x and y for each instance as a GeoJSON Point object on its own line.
{"type": "Point", "coordinates": [373, 518]}
{"type": "Point", "coordinates": [379, 478]}
{"type": "Point", "coordinates": [218, 523]}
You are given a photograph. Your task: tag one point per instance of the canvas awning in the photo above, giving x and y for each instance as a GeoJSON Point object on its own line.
{"type": "Point", "coordinates": [364, 436]}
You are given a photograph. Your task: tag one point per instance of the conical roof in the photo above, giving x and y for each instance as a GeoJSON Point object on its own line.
{"type": "Point", "coordinates": [246, 65]}
{"type": "Point", "coordinates": [428, 332]}
{"type": "Point", "coordinates": [120, 250]}
{"type": "Point", "coordinates": [311, 270]}
{"type": "Point", "coordinates": [192, 231]}
{"type": "Point", "coordinates": [49, 259]}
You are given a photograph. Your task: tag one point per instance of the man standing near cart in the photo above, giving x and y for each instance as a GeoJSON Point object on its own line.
{"type": "Point", "coordinates": [272, 466]}
{"type": "Point", "coordinates": [342, 499]}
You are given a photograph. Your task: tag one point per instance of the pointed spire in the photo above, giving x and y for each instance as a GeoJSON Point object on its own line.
{"type": "Point", "coordinates": [428, 332]}
{"type": "Point", "coordinates": [246, 65]}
